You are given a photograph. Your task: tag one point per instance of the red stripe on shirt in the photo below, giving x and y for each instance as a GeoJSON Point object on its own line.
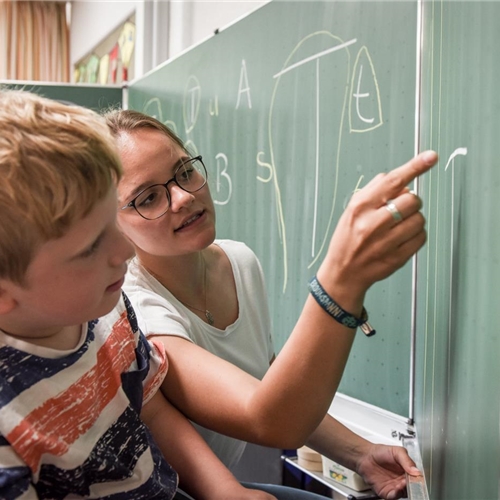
{"type": "Point", "coordinates": [154, 383]}
{"type": "Point", "coordinates": [61, 420]}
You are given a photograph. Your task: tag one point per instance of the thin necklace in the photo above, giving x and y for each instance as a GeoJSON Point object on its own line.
{"type": "Point", "coordinates": [206, 312]}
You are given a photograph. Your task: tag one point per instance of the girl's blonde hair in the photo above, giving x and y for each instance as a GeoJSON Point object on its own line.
{"type": "Point", "coordinates": [56, 162]}
{"type": "Point", "coordinates": [129, 120]}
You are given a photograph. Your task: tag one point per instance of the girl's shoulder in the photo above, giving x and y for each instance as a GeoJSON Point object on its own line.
{"type": "Point", "coordinates": [233, 247]}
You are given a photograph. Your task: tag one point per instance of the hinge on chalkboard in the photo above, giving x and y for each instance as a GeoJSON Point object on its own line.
{"type": "Point", "coordinates": [402, 435]}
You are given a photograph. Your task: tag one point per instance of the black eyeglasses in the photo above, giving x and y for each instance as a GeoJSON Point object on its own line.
{"type": "Point", "coordinates": [154, 201]}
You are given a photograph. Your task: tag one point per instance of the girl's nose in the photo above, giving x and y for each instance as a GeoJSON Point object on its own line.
{"type": "Point", "coordinates": [179, 198]}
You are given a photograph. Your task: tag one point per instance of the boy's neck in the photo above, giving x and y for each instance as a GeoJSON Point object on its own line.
{"type": "Point", "coordinates": [64, 339]}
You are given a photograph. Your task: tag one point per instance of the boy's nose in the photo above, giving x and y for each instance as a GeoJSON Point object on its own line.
{"type": "Point", "coordinates": [122, 250]}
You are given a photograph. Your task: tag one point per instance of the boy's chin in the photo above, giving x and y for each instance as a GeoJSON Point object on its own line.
{"type": "Point", "coordinates": [110, 302]}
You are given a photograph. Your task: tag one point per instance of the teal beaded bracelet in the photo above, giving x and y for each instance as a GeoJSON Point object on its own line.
{"type": "Point", "coordinates": [336, 312]}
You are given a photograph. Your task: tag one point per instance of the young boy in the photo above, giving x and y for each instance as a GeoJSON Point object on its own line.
{"type": "Point", "coordinates": [72, 387]}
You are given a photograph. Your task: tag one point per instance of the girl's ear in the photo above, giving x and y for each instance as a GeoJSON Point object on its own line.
{"type": "Point", "coordinates": [7, 302]}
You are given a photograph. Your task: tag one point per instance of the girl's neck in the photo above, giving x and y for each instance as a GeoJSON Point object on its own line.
{"type": "Point", "coordinates": [203, 281]}
{"type": "Point", "coordinates": [184, 276]}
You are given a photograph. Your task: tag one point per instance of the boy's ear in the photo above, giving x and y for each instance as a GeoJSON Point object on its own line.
{"type": "Point", "coordinates": [7, 302]}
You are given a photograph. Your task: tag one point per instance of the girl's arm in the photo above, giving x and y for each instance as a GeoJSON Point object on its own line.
{"type": "Point", "coordinates": [287, 406]}
{"type": "Point", "coordinates": [201, 474]}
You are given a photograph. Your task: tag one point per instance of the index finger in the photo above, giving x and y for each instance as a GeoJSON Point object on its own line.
{"type": "Point", "coordinates": [396, 180]}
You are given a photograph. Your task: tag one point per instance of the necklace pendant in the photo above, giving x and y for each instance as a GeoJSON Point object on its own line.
{"type": "Point", "coordinates": [209, 317]}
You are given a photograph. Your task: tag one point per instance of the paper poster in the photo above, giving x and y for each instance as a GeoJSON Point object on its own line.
{"type": "Point", "coordinates": [82, 73]}
{"type": "Point", "coordinates": [104, 69]}
{"type": "Point", "coordinates": [92, 68]}
{"type": "Point", "coordinates": [113, 62]}
{"type": "Point", "coordinates": [127, 43]}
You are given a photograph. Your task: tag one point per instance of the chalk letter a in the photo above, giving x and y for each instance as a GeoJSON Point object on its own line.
{"type": "Point", "coordinates": [243, 87]}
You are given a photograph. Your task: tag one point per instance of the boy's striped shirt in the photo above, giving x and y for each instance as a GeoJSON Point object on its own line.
{"type": "Point", "coordinates": [69, 421]}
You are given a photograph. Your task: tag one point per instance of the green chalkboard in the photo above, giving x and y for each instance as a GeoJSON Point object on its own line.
{"type": "Point", "coordinates": [96, 97]}
{"type": "Point", "coordinates": [458, 339]}
{"type": "Point", "coordinates": [293, 108]}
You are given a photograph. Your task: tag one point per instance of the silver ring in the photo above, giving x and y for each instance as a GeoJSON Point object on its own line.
{"type": "Point", "coordinates": [396, 214]}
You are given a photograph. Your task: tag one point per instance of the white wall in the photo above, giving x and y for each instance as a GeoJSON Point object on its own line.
{"type": "Point", "coordinates": [164, 28]}
{"type": "Point", "coordinates": [192, 22]}
{"type": "Point", "coordinates": [91, 22]}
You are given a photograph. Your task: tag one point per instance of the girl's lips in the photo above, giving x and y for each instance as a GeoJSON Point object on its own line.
{"type": "Point", "coordinates": [190, 221]}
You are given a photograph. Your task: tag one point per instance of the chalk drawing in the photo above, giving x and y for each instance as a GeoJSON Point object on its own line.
{"type": "Point", "coordinates": [357, 95]}
{"type": "Point", "coordinates": [153, 108]}
{"type": "Point", "coordinates": [289, 66]}
{"type": "Point", "coordinates": [223, 180]}
{"type": "Point", "coordinates": [191, 104]}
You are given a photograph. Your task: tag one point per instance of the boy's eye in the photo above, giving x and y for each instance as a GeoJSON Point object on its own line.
{"type": "Point", "coordinates": [93, 248]}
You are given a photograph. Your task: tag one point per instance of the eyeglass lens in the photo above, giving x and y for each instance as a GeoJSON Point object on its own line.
{"type": "Point", "coordinates": [154, 201]}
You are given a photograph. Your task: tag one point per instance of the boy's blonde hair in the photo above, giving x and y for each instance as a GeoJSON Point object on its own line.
{"type": "Point", "coordinates": [56, 163]}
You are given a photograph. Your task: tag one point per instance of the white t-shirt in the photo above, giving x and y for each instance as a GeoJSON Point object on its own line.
{"type": "Point", "coordinates": [247, 343]}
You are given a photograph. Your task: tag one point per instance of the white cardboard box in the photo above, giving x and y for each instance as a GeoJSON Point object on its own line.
{"type": "Point", "coordinates": [372, 423]}
{"type": "Point", "coordinates": [340, 474]}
